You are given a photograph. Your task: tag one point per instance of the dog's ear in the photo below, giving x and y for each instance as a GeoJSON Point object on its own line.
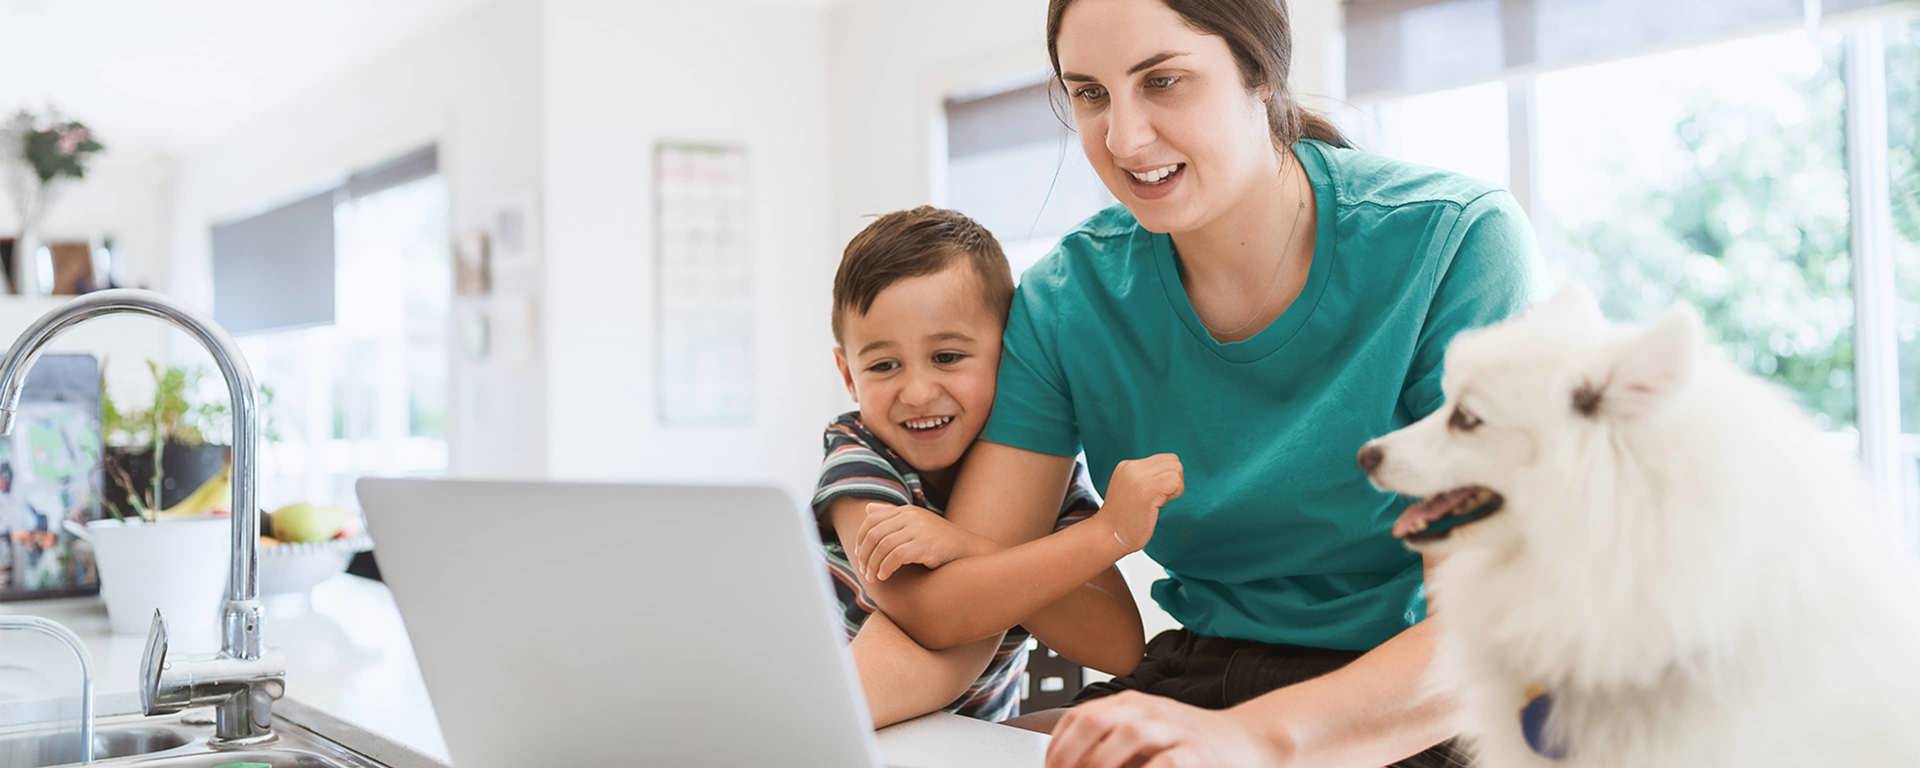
{"type": "Point", "coordinates": [1646, 367]}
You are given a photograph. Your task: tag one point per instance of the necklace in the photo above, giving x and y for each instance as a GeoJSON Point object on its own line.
{"type": "Point", "coordinates": [1278, 269]}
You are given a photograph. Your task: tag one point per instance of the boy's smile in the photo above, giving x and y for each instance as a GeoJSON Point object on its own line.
{"type": "Point", "coordinates": [921, 362]}
{"type": "Point", "coordinates": [931, 428]}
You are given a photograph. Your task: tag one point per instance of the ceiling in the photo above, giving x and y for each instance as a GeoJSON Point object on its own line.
{"type": "Point", "coordinates": [172, 74]}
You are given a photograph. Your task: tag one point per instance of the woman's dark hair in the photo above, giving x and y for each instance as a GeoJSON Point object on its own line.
{"type": "Point", "coordinates": [1260, 34]}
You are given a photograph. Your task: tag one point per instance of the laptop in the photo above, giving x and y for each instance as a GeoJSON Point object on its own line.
{"type": "Point", "coordinates": [605, 624]}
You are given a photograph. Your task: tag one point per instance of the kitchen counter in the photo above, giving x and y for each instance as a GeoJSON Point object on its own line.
{"type": "Point", "coordinates": [348, 655]}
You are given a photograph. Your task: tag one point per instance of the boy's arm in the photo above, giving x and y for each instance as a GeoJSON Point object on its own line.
{"type": "Point", "coordinates": [903, 680]}
{"type": "Point", "coordinates": [983, 595]}
{"type": "Point", "coordinates": [1096, 625]}
{"type": "Point", "coordinates": [1002, 495]}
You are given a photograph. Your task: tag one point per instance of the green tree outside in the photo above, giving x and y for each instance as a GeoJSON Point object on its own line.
{"type": "Point", "coordinates": [1754, 230]}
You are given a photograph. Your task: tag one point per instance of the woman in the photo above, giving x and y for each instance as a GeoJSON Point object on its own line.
{"type": "Point", "coordinates": [1262, 301]}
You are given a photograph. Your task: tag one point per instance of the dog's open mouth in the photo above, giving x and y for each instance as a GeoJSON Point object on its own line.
{"type": "Point", "coordinates": [1433, 518]}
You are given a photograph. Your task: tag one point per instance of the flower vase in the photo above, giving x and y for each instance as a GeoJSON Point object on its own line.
{"type": "Point", "coordinates": [24, 275]}
{"type": "Point", "coordinates": [26, 253]}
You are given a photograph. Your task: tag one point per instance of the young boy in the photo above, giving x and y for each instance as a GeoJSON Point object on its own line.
{"type": "Point", "coordinates": [919, 303]}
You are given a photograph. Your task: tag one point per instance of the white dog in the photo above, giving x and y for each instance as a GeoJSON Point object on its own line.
{"type": "Point", "coordinates": [1650, 558]}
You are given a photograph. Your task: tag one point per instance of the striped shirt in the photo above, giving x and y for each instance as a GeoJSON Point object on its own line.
{"type": "Point", "coordinates": [859, 466]}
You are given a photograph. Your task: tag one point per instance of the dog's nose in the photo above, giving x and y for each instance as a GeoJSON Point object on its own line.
{"type": "Point", "coordinates": [1370, 456]}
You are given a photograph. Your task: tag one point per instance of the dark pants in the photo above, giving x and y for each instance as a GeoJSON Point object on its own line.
{"type": "Point", "coordinates": [1216, 673]}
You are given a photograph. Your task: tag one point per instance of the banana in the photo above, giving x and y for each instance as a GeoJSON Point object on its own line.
{"type": "Point", "coordinates": [214, 494]}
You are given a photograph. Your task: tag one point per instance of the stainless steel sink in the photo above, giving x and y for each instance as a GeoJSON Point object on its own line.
{"type": "Point", "coordinates": [306, 738]}
{"type": "Point", "coordinates": [278, 758]}
{"type": "Point", "coordinates": [64, 746]}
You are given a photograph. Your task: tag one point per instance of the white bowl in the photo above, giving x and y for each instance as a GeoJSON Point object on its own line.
{"type": "Point", "coordinates": [291, 569]}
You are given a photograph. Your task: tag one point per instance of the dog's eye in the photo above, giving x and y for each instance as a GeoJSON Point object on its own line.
{"type": "Point", "coordinates": [1463, 420]}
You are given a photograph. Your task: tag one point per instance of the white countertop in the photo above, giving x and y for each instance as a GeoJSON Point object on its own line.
{"type": "Point", "coordinates": [348, 655]}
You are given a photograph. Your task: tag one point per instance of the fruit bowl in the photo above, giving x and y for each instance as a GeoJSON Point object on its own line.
{"type": "Point", "coordinates": [290, 569]}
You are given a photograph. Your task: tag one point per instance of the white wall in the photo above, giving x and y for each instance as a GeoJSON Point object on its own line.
{"type": "Point", "coordinates": [622, 76]}
{"type": "Point", "coordinates": [473, 85]}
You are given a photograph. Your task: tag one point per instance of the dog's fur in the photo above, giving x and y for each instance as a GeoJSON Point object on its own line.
{"type": "Point", "coordinates": [1683, 559]}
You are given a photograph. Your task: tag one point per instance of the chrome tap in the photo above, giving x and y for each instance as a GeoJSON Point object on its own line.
{"type": "Point", "coordinates": [240, 681]}
{"type": "Point", "coordinates": [59, 631]}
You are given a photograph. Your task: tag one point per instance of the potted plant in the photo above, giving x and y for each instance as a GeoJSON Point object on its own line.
{"type": "Point", "coordinates": [167, 488]}
{"type": "Point", "coordinates": [159, 454]}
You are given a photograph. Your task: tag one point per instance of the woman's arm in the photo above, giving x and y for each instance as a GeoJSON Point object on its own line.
{"type": "Point", "coordinates": [1042, 585]}
{"type": "Point", "coordinates": [1096, 625]}
{"type": "Point", "coordinates": [974, 597]}
{"type": "Point", "coordinates": [1009, 496]}
{"type": "Point", "coordinates": [1374, 711]}
{"type": "Point", "coordinates": [1371, 712]}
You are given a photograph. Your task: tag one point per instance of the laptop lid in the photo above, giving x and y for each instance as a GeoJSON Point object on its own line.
{"type": "Point", "coordinates": [580, 623]}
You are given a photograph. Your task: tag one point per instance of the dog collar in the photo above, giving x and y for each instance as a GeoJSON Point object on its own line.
{"type": "Point", "coordinates": [1533, 724]}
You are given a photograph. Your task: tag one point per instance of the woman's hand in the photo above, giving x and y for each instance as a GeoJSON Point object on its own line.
{"type": "Point", "coordinates": [1135, 729]}
{"type": "Point", "coordinates": [1135, 494]}
{"type": "Point", "coordinates": [894, 536]}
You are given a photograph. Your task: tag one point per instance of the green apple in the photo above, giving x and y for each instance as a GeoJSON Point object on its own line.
{"type": "Point", "coordinates": [305, 522]}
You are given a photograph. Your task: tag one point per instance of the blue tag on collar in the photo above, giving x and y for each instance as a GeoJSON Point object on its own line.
{"type": "Point", "coordinates": [1533, 724]}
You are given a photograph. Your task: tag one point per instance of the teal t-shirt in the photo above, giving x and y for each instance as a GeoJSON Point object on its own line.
{"type": "Point", "coordinates": [1279, 537]}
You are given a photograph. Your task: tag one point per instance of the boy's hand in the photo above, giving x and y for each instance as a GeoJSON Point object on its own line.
{"type": "Point", "coordinates": [1135, 494]}
{"type": "Point", "coordinates": [891, 537]}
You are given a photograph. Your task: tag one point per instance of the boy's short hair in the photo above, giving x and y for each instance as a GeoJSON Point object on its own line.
{"type": "Point", "coordinates": [914, 243]}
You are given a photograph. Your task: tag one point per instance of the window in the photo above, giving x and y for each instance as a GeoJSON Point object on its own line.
{"type": "Point", "coordinates": [1015, 166]}
{"type": "Point", "coordinates": [368, 393]}
{"type": "Point", "coordinates": [1901, 44]}
{"type": "Point", "coordinates": [1717, 176]}
{"type": "Point", "coordinates": [1460, 129]}
{"type": "Point", "coordinates": [1770, 178]}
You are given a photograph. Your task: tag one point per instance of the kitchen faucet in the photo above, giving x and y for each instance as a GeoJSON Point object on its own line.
{"type": "Point", "coordinates": [242, 680]}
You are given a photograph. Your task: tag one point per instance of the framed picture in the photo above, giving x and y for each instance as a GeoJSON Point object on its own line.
{"type": "Point", "coordinates": [472, 264]}
{"type": "Point", "coordinates": [72, 267]}
{"type": "Point", "coordinates": [474, 330]}
{"type": "Point", "coordinates": [515, 230]}
{"type": "Point", "coordinates": [50, 471]}
{"type": "Point", "coordinates": [703, 285]}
